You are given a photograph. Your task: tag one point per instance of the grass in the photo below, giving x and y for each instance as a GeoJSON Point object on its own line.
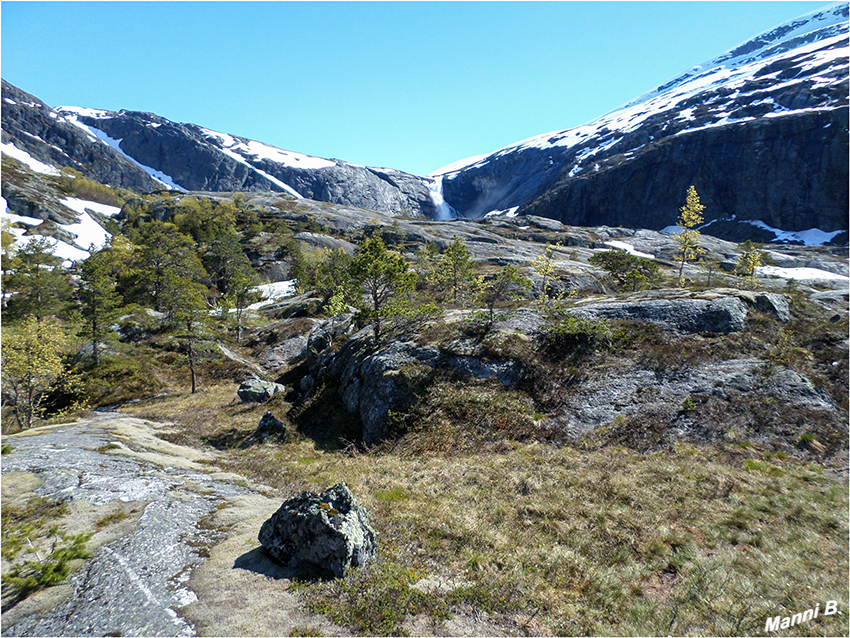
{"type": "Point", "coordinates": [111, 519]}
{"type": "Point", "coordinates": [30, 531]}
{"type": "Point", "coordinates": [693, 540]}
{"type": "Point", "coordinates": [481, 487]}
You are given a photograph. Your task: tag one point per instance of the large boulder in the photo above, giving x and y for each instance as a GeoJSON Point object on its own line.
{"type": "Point", "coordinates": [320, 535]}
{"type": "Point", "coordinates": [258, 391]}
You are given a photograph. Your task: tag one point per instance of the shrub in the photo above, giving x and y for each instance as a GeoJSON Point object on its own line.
{"type": "Point", "coordinates": [626, 269]}
{"type": "Point", "coordinates": [32, 576]}
{"type": "Point", "coordinates": [575, 334]}
{"type": "Point", "coordinates": [73, 183]}
{"type": "Point", "coordinates": [28, 527]}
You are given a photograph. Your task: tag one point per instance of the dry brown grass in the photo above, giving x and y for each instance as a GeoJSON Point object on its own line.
{"type": "Point", "coordinates": [694, 540]}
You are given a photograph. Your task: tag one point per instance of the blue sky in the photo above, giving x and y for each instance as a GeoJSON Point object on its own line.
{"type": "Point", "coordinates": [410, 85]}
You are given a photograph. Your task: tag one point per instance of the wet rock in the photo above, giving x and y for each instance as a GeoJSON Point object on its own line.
{"type": "Point", "coordinates": [258, 391]}
{"type": "Point", "coordinates": [320, 535]}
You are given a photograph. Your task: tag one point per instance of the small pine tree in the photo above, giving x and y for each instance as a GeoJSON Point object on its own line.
{"type": "Point", "coordinates": [188, 307]}
{"type": "Point", "coordinates": [507, 285]}
{"type": "Point", "coordinates": [453, 274]}
{"type": "Point", "coordinates": [384, 281]}
{"type": "Point", "coordinates": [688, 238]}
{"type": "Point", "coordinates": [38, 281]}
{"type": "Point", "coordinates": [711, 265]}
{"type": "Point", "coordinates": [544, 265]}
{"type": "Point", "coordinates": [623, 267]}
{"type": "Point", "coordinates": [751, 258]}
{"type": "Point", "coordinates": [99, 300]}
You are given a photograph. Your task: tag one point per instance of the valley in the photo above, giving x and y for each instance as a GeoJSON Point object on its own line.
{"type": "Point", "coordinates": [592, 383]}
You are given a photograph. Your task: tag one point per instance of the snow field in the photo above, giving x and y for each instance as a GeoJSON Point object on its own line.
{"type": "Point", "coordinates": [25, 158]}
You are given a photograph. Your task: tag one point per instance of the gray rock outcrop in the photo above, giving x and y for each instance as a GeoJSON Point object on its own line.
{"type": "Point", "coordinates": [258, 391]}
{"type": "Point", "coordinates": [373, 383]}
{"type": "Point", "coordinates": [320, 535]}
{"type": "Point", "coordinates": [722, 315]}
{"type": "Point", "coordinates": [318, 240]}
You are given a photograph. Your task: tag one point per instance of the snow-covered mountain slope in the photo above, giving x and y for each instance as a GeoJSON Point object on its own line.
{"type": "Point", "coordinates": [760, 130]}
{"type": "Point", "coordinates": [71, 241]}
{"type": "Point", "coordinates": [190, 157]}
{"type": "Point", "coordinates": [33, 128]}
{"type": "Point", "coordinates": [143, 151]}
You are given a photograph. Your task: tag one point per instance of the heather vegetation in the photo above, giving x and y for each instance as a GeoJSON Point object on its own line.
{"type": "Point", "coordinates": [697, 511]}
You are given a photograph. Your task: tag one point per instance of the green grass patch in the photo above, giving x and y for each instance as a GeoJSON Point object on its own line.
{"type": "Point", "coordinates": [111, 519]}
{"type": "Point", "coordinates": [374, 600]}
{"type": "Point", "coordinates": [39, 553]}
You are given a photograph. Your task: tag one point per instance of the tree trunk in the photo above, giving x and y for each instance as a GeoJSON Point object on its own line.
{"type": "Point", "coordinates": [238, 325]}
{"type": "Point", "coordinates": [192, 359]}
{"type": "Point", "coordinates": [94, 354]}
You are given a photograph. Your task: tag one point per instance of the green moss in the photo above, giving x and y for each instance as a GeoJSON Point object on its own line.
{"type": "Point", "coordinates": [111, 519]}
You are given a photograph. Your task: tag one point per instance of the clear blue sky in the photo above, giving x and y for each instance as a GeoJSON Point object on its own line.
{"type": "Point", "coordinates": [412, 86]}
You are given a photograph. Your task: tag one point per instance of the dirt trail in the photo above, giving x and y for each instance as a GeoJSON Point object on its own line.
{"type": "Point", "coordinates": [183, 561]}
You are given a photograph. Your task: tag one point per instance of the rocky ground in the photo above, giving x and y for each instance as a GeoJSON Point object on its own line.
{"type": "Point", "coordinates": [183, 557]}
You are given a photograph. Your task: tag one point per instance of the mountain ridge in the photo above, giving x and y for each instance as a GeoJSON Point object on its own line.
{"type": "Point", "coordinates": [761, 130]}
{"type": "Point", "coordinates": [797, 69]}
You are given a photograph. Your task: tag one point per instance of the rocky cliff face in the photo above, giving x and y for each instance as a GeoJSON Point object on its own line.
{"type": "Point", "coordinates": [187, 156]}
{"type": "Point", "coordinates": [143, 151]}
{"type": "Point", "coordinates": [761, 131]}
{"type": "Point", "coordinates": [32, 126]}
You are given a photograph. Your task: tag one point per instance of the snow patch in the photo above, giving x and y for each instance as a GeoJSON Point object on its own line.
{"type": "Point", "coordinates": [458, 165]}
{"type": "Point", "coordinates": [629, 249]}
{"type": "Point", "coordinates": [510, 212]}
{"type": "Point", "coordinates": [259, 151]}
{"type": "Point", "coordinates": [810, 237]}
{"type": "Point", "coordinates": [19, 219]}
{"type": "Point", "coordinates": [273, 292]}
{"type": "Point", "coordinates": [87, 231]}
{"type": "Point", "coordinates": [800, 274]}
{"type": "Point", "coordinates": [80, 111]}
{"type": "Point", "coordinates": [25, 158]}
{"type": "Point", "coordinates": [80, 206]}
{"type": "Point", "coordinates": [271, 178]}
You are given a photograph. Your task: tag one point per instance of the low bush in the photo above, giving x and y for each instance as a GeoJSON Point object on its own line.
{"type": "Point", "coordinates": [74, 183]}
{"type": "Point", "coordinates": [575, 336]}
